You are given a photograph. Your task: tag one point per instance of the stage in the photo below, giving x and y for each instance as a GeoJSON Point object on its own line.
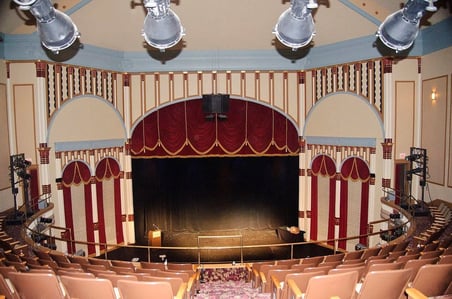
{"type": "Point", "coordinates": [251, 245]}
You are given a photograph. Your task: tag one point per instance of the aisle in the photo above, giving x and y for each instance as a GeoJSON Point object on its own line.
{"type": "Point", "coordinates": [227, 283]}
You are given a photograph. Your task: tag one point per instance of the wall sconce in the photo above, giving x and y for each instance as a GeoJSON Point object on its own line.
{"type": "Point", "coordinates": [400, 29]}
{"type": "Point", "coordinates": [162, 27]}
{"type": "Point", "coordinates": [295, 27]}
{"type": "Point", "coordinates": [433, 95]}
{"type": "Point", "coordinates": [56, 29]}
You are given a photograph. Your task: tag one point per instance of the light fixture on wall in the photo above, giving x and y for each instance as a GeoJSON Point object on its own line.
{"type": "Point", "coordinates": [56, 29]}
{"type": "Point", "coordinates": [433, 95]}
{"type": "Point", "coordinates": [295, 27]}
{"type": "Point", "coordinates": [162, 27]}
{"type": "Point", "coordinates": [400, 29]}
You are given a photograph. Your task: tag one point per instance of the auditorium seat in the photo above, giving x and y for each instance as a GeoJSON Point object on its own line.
{"type": "Point", "coordinates": [255, 268]}
{"type": "Point", "coordinates": [58, 257]}
{"type": "Point", "coordinates": [37, 285]}
{"type": "Point", "coordinates": [445, 259]}
{"type": "Point", "coordinates": [340, 285]}
{"type": "Point", "coordinates": [359, 270]}
{"type": "Point", "coordinates": [78, 259]}
{"type": "Point", "coordinates": [314, 260]}
{"type": "Point", "coordinates": [113, 278]}
{"type": "Point", "coordinates": [272, 274]}
{"type": "Point", "coordinates": [431, 254]}
{"type": "Point", "coordinates": [119, 269]}
{"type": "Point", "coordinates": [433, 280]}
{"type": "Point", "coordinates": [152, 265]}
{"type": "Point", "coordinates": [301, 267]}
{"type": "Point", "coordinates": [370, 252]}
{"type": "Point", "coordinates": [177, 285]}
{"type": "Point", "coordinates": [96, 261]}
{"type": "Point", "coordinates": [323, 269]}
{"type": "Point", "coordinates": [75, 274]}
{"type": "Point", "coordinates": [7, 289]}
{"type": "Point", "coordinates": [6, 270]}
{"type": "Point", "coordinates": [299, 281]}
{"type": "Point", "coordinates": [125, 264]}
{"type": "Point", "coordinates": [180, 266]}
{"type": "Point", "coordinates": [415, 265]}
{"type": "Point", "coordinates": [263, 274]}
{"type": "Point", "coordinates": [333, 257]}
{"type": "Point", "coordinates": [353, 255]}
{"type": "Point", "coordinates": [330, 264]}
{"type": "Point", "coordinates": [153, 290]}
{"type": "Point", "coordinates": [406, 258]}
{"type": "Point", "coordinates": [89, 288]}
{"type": "Point", "coordinates": [287, 262]}
{"type": "Point", "coordinates": [387, 249]}
{"type": "Point", "coordinates": [382, 267]}
{"type": "Point", "coordinates": [384, 284]}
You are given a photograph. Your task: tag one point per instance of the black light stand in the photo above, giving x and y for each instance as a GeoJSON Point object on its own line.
{"type": "Point", "coordinates": [18, 166]}
{"type": "Point", "coordinates": [418, 166]}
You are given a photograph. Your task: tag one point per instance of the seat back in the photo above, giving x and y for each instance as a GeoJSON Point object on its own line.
{"type": "Point", "coordinates": [323, 269]}
{"type": "Point", "coordinates": [333, 257]}
{"type": "Point", "coordinates": [300, 280]}
{"type": "Point", "coordinates": [30, 284]}
{"type": "Point", "coordinates": [382, 267]}
{"type": "Point", "coordinates": [180, 266]}
{"type": "Point", "coordinates": [340, 285]}
{"type": "Point", "coordinates": [359, 270]}
{"type": "Point", "coordinates": [415, 265]}
{"type": "Point", "coordinates": [129, 289]}
{"type": "Point", "coordinates": [113, 278]}
{"type": "Point", "coordinates": [152, 265]}
{"type": "Point", "coordinates": [8, 289]}
{"type": "Point", "coordinates": [183, 275]}
{"type": "Point", "coordinates": [5, 270]}
{"type": "Point", "coordinates": [76, 274]}
{"type": "Point", "coordinates": [433, 280]}
{"type": "Point", "coordinates": [384, 284]}
{"type": "Point", "coordinates": [315, 260]}
{"type": "Point", "coordinates": [175, 282]}
{"type": "Point", "coordinates": [77, 287]}
{"type": "Point", "coordinates": [276, 275]}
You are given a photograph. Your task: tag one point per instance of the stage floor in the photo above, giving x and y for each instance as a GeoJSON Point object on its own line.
{"type": "Point", "coordinates": [266, 241]}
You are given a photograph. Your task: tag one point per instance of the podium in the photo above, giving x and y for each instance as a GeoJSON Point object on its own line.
{"type": "Point", "coordinates": [155, 238]}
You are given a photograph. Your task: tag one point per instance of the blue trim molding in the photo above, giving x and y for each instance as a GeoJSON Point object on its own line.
{"type": "Point", "coordinates": [88, 144]}
{"type": "Point", "coordinates": [342, 141]}
{"type": "Point", "coordinates": [28, 47]}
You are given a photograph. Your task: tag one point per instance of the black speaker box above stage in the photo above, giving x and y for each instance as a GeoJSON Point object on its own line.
{"type": "Point", "coordinates": [215, 103]}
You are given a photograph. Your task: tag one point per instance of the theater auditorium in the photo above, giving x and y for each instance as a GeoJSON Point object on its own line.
{"type": "Point", "coordinates": [225, 149]}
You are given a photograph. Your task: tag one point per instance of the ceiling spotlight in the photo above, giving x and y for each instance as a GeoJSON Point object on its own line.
{"type": "Point", "coordinates": [401, 28]}
{"type": "Point", "coordinates": [295, 27]}
{"type": "Point", "coordinates": [162, 27]}
{"type": "Point", "coordinates": [56, 29]}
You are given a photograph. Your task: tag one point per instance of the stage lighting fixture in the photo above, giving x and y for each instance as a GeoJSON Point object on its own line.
{"type": "Point", "coordinates": [400, 29]}
{"type": "Point", "coordinates": [295, 27]}
{"type": "Point", "coordinates": [162, 27]}
{"type": "Point", "coordinates": [56, 30]}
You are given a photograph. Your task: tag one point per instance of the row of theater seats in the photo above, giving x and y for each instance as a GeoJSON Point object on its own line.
{"type": "Point", "coordinates": [54, 275]}
{"type": "Point", "coordinates": [386, 272]}
{"type": "Point", "coordinates": [442, 216]}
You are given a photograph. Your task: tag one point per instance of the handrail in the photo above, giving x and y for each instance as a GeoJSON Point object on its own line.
{"type": "Point", "coordinates": [216, 247]}
{"type": "Point", "coordinates": [107, 246]}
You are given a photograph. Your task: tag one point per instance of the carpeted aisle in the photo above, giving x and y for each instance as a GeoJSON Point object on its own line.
{"type": "Point", "coordinates": [227, 283]}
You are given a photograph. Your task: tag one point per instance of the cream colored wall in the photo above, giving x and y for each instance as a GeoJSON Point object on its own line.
{"type": "Point", "coordinates": [5, 184]}
{"type": "Point", "coordinates": [436, 127]}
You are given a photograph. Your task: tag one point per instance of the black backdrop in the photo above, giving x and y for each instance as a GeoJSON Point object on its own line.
{"type": "Point", "coordinates": [215, 193]}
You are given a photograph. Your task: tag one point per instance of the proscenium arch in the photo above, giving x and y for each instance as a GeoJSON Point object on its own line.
{"type": "Point", "coordinates": [254, 101]}
{"type": "Point", "coordinates": [327, 102]}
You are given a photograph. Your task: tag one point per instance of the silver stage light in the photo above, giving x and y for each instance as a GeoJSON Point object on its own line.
{"type": "Point", "coordinates": [56, 29]}
{"type": "Point", "coordinates": [295, 27]}
{"type": "Point", "coordinates": [162, 27]}
{"type": "Point", "coordinates": [401, 28]}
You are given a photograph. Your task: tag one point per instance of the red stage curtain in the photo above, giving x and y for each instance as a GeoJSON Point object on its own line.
{"type": "Point", "coordinates": [354, 169]}
{"type": "Point", "coordinates": [76, 173]}
{"type": "Point", "coordinates": [107, 169]}
{"type": "Point", "coordinates": [322, 166]}
{"type": "Point", "coordinates": [181, 129]}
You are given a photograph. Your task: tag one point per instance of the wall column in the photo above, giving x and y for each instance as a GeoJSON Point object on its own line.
{"type": "Point", "coordinates": [388, 117]}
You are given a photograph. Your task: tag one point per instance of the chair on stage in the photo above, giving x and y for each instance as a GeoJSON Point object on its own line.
{"type": "Point", "coordinates": [340, 285]}
{"type": "Point", "coordinates": [88, 288]}
{"type": "Point", "coordinates": [299, 279]}
{"type": "Point", "coordinates": [433, 280]}
{"type": "Point", "coordinates": [384, 284]}
{"type": "Point", "coordinates": [37, 285]}
{"type": "Point", "coordinates": [153, 289]}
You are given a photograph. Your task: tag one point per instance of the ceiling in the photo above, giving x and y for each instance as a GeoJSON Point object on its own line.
{"type": "Point", "coordinates": [213, 25]}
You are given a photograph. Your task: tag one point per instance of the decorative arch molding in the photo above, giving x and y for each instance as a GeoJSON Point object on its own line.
{"type": "Point", "coordinates": [181, 129]}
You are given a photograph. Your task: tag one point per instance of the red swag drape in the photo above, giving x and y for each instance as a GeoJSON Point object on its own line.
{"type": "Point", "coordinates": [354, 169]}
{"type": "Point", "coordinates": [76, 173]}
{"type": "Point", "coordinates": [322, 166]}
{"type": "Point", "coordinates": [181, 129]}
